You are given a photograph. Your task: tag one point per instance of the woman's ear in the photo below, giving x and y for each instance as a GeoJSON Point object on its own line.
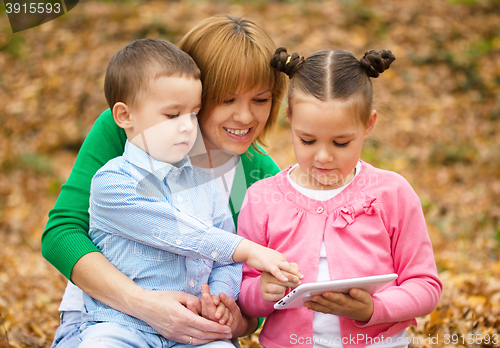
{"type": "Point", "coordinates": [121, 115]}
{"type": "Point", "coordinates": [370, 124]}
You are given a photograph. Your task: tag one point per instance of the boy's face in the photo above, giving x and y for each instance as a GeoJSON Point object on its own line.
{"type": "Point", "coordinates": [164, 119]}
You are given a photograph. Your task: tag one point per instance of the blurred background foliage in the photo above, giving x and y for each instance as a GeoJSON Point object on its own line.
{"type": "Point", "coordinates": [439, 111]}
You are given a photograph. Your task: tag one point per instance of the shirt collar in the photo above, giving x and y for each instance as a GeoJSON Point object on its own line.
{"type": "Point", "coordinates": [159, 169]}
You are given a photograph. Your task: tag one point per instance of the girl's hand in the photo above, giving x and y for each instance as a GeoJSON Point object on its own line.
{"type": "Point", "coordinates": [272, 289]}
{"type": "Point", "coordinates": [358, 305]}
{"type": "Point", "coordinates": [266, 260]}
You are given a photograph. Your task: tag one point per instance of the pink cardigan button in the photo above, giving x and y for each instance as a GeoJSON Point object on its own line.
{"type": "Point", "coordinates": [319, 210]}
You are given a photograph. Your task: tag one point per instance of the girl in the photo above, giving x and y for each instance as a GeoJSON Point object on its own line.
{"type": "Point", "coordinates": [337, 217]}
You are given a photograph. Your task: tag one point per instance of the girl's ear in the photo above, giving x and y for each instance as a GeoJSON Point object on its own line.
{"type": "Point", "coordinates": [288, 115]}
{"type": "Point", "coordinates": [121, 115]}
{"type": "Point", "coordinates": [370, 124]}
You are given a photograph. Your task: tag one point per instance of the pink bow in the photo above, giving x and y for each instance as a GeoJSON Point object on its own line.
{"type": "Point", "coordinates": [346, 215]}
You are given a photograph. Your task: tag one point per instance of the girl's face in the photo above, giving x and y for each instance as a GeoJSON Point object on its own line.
{"type": "Point", "coordinates": [235, 124]}
{"type": "Point", "coordinates": [327, 139]}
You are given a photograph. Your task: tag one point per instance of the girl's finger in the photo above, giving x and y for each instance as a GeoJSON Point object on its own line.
{"type": "Point", "coordinates": [319, 308]}
{"type": "Point", "coordinates": [329, 299]}
{"type": "Point", "coordinates": [336, 297]}
{"type": "Point", "coordinates": [273, 297]}
{"type": "Point", "coordinates": [275, 289]}
{"type": "Point", "coordinates": [360, 295]}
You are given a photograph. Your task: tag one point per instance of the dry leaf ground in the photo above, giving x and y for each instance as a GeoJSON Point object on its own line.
{"type": "Point", "coordinates": [439, 108]}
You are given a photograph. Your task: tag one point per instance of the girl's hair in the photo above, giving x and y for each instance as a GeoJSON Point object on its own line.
{"type": "Point", "coordinates": [131, 69]}
{"type": "Point", "coordinates": [233, 52]}
{"type": "Point", "coordinates": [335, 74]}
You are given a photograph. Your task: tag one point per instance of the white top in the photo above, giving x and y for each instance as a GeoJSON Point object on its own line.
{"type": "Point", "coordinates": [320, 195]}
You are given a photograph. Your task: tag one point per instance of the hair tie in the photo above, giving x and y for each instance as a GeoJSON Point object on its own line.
{"type": "Point", "coordinates": [286, 63]}
{"type": "Point", "coordinates": [376, 62]}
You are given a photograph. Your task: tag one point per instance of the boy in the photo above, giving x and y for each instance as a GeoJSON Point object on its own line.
{"type": "Point", "coordinates": [158, 219]}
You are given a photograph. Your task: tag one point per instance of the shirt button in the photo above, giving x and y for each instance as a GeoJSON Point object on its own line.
{"type": "Point", "coordinates": [179, 198]}
{"type": "Point", "coordinates": [191, 283]}
{"type": "Point", "coordinates": [214, 254]}
{"type": "Point", "coordinates": [319, 210]}
{"type": "Point", "coordinates": [178, 241]}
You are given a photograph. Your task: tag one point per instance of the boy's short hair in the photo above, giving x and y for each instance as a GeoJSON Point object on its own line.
{"type": "Point", "coordinates": [131, 68]}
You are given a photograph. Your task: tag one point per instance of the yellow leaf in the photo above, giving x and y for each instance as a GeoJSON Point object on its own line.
{"type": "Point", "coordinates": [477, 300]}
{"type": "Point", "coordinates": [435, 318]}
{"type": "Point", "coordinates": [36, 329]}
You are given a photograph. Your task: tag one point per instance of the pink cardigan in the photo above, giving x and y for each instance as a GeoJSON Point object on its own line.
{"type": "Point", "coordinates": [375, 226]}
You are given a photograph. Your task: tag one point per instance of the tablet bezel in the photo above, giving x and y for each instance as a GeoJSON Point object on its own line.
{"type": "Point", "coordinates": [303, 292]}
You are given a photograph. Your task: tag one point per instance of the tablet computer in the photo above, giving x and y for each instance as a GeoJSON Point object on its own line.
{"type": "Point", "coordinates": [303, 292]}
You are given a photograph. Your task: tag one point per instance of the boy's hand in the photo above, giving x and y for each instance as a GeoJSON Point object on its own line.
{"type": "Point", "coordinates": [266, 260]}
{"type": "Point", "coordinates": [358, 305]}
{"type": "Point", "coordinates": [213, 309]}
{"type": "Point", "coordinates": [272, 289]}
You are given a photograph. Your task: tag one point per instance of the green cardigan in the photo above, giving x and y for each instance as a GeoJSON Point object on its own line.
{"type": "Point", "coordinates": [65, 239]}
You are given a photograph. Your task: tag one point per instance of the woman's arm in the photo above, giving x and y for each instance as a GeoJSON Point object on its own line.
{"type": "Point", "coordinates": [165, 311]}
{"type": "Point", "coordinates": [65, 239]}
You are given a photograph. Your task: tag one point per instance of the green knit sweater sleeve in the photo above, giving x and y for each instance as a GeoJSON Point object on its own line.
{"type": "Point", "coordinates": [65, 239]}
{"type": "Point", "coordinates": [260, 165]}
{"type": "Point", "coordinates": [256, 166]}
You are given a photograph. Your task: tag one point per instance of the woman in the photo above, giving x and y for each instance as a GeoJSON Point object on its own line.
{"type": "Point", "coordinates": [240, 103]}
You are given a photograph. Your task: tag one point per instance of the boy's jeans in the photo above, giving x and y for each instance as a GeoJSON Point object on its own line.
{"type": "Point", "coordinates": [118, 336]}
{"type": "Point", "coordinates": [67, 334]}
{"type": "Point", "coordinates": [69, 330]}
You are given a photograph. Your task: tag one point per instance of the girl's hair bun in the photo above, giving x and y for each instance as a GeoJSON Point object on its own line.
{"type": "Point", "coordinates": [376, 62]}
{"type": "Point", "coordinates": [289, 64]}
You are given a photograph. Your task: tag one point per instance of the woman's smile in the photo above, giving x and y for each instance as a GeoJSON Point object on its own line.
{"type": "Point", "coordinates": [238, 132]}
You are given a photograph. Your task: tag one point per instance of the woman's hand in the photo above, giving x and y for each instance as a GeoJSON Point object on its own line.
{"type": "Point", "coordinates": [272, 289]}
{"type": "Point", "coordinates": [213, 309]}
{"type": "Point", "coordinates": [358, 305]}
{"type": "Point", "coordinates": [240, 324]}
{"type": "Point", "coordinates": [165, 311]}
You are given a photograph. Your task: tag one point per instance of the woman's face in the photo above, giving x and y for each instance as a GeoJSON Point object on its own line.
{"type": "Point", "coordinates": [235, 124]}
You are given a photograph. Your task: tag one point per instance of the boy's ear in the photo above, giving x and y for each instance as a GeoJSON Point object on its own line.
{"type": "Point", "coordinates": [121, 115]}
{"type": "Point", "coordinates": [372, 119]}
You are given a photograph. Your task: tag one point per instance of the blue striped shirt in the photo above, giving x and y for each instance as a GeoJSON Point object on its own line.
{"type": "Point", "coordinates": [166, 227]}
